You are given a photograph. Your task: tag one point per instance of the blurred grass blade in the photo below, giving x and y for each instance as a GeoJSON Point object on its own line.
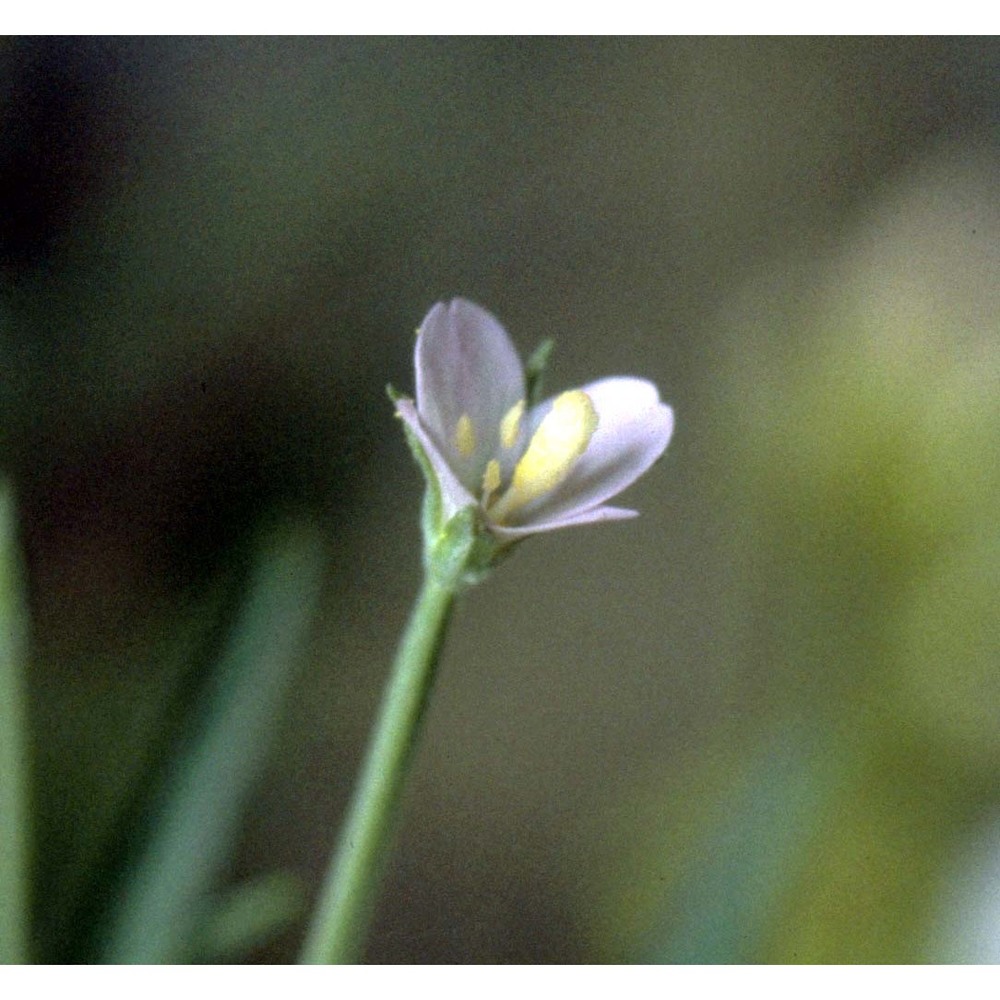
{"type": "Point", "coordinates": [15, 828]}
{"type": "Point", "coordinates": [167, 895]}
{"type": "Point", "coordinates": [720, 911]}
{"type": "Point", "coordinates": [250, 914]}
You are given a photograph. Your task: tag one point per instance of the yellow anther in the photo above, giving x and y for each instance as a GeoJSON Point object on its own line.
{"type": "Point", "coordinates": [465, 436]}
{"type": "Point", "coordinates": [561, 438]}
{"type": "Point", "coordinates": [510, 426]}
{"type": "Point", "coordinates": [491, 480]}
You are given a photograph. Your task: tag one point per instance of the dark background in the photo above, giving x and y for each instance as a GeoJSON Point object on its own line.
{"type": "Point", "coordinates": [757, 724]}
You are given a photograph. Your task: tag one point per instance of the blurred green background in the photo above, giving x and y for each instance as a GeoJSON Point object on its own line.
{"type": "Point", "coordinates": [760, 723]}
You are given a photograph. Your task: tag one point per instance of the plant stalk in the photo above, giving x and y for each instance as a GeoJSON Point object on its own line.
{"type": "Point", "coordinates": [338, 933]}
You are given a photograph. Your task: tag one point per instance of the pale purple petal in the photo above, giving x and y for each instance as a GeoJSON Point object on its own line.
{"type": "Point", "coordinates": [454, 496]}
{"type": "Point", "coordinates": [591, 516]}
{"type": "Point", "coordinates": [466, 365]}
{"type": "Point", "coordinates": [633, 430]}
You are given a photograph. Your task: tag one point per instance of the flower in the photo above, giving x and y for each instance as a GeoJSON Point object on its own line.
{"type": "Point", "coordinates": [526, 468]}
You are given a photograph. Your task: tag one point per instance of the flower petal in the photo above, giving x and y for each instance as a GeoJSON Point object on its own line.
{"type": "Point", "coordinates": [633, 430]}
{"type": "Point", "coordinates": [591, 516]}
{"type": "Point", "coordinates": [468, 377]}
{"type": "Point", "coordinates": [454, 496]}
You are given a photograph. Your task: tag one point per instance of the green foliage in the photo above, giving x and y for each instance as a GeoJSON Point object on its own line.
{"type": "Point", "coordinates": [15, 820]}
{"type": "Point", "coordinates": [166, 899]}
{"type": "Point", "coordinates": [869, 487]}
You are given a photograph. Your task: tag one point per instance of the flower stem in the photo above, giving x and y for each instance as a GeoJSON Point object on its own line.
{"type": "Point", "coordinates": [337, 935]}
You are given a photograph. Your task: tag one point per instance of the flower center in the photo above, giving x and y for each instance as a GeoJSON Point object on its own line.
{"type": "Point", "coordinates": [561, 438]}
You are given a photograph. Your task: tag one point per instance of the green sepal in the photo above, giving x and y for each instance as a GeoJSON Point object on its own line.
{"type": "Point", "coordinates": [472, 557]}
{"type": "Point", "coordinates": [534, 370]}
{"type": "Point", "coordinates": [447, 558]}
{"type": "Point", "coordinates": [462, 549]}
{"type": "Point", "coordinates": [431, 511]}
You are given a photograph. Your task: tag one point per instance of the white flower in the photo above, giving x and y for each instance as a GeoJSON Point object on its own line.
{"type": "Point", "coordinates": [527, 469]}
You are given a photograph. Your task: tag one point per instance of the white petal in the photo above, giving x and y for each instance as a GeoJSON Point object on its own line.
{"type": "Point", "coordinates": [466, 367]}
{"type": "Point", "coordinates": [633, 430]}
{"type": "Point", "coordinates": [454, 496]}
{"type": "Point", "coordinates": [591, 516]}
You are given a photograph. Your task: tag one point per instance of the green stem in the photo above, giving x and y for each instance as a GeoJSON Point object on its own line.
{"type": "Point", "coordinates": [337, 935]}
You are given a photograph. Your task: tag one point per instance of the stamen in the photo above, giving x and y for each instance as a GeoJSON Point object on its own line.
{"type": "Point", "coordinates": [510, 426]}
{"type": "Point", "coordinates": [465, 436]}
{"type": "Point", "coordinates": [561, 438]}
{"type": "Point", "coordinates": [491, 480]}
